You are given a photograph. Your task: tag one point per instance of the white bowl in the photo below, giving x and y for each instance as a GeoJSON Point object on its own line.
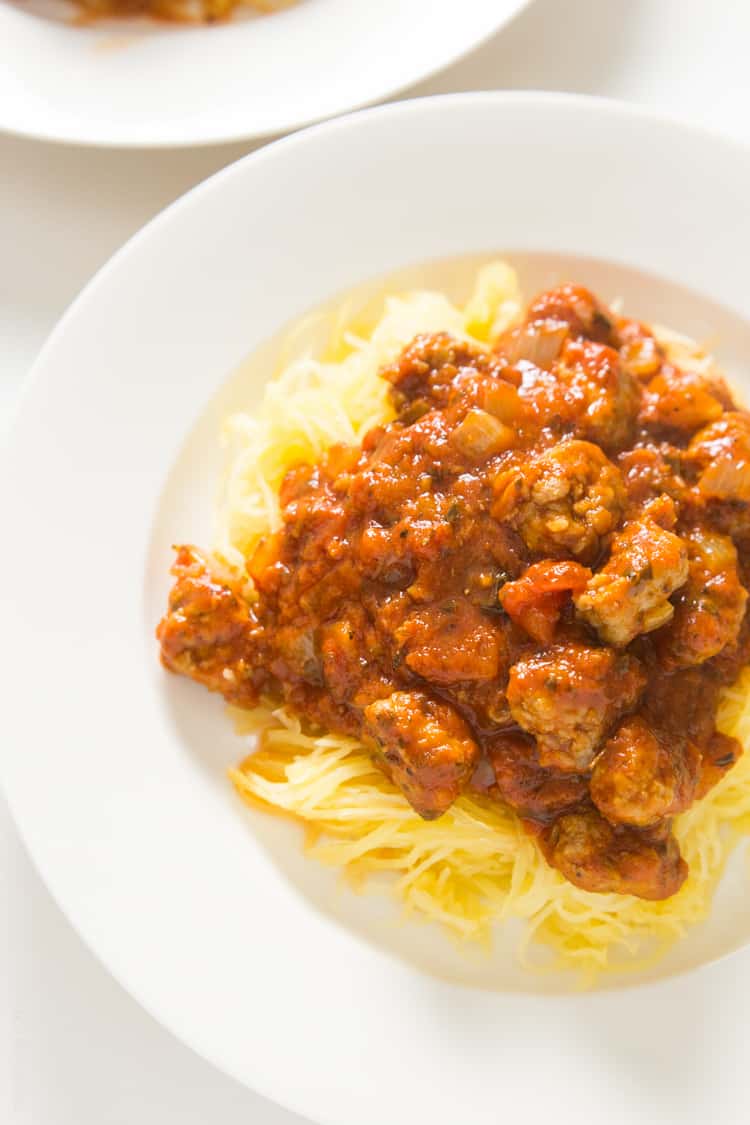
{"type": "Point", "coordinates": [210, 914]}
{"type": "Point", "coordinates": [142, 83]}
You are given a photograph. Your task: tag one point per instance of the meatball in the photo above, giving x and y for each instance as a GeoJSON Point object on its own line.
{"type": "Point", "coordinates": [535, 601]}
{"type": "Point", "coordinates": [425, 746]}
{"type": "Point", "coordinates": [630, 595]}
{"type": "Point", "coordinates": [721, 452]}
{"type": "Point", "coordinates": [518, 779]}
{"type": "Point", "coordinates": [682, 400]}
{"type": "Point", "coordinates": [565, 502]}
{"type": "Point", "coordinates": [642, 776]}
{"type": "Point", "coordinates": [595, 856]}
{"type": "Point", "coordinates": [709, 608]}
{"type": "Point", "coordinates": [569, 697]}
{"type": "Point", "coordinates": [209, 632]}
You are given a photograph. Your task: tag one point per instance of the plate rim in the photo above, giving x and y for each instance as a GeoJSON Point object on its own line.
{"type": "Point", "coordinates": [293, 123]}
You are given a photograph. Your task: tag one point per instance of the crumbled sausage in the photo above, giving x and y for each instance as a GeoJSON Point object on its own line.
{"type": "Point", "coordinates": [642, 775]}
{"type": "Point", "coordinates": [209, 632]}
{"type": "Point", "coordinates": [569, 697]}
{"type": "Point", "coordinates": [630, 594]}
{"type": "Point", "coordinates": [426, 746]}
{"type": "Point", "coordinates": [710, 607]}
{"type": "Point", "coordinates": [565, 502]}
{"type": "Point", "coordinates": [596, 856]}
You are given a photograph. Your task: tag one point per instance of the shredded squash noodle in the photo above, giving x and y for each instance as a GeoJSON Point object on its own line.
{"type": "Point", "coordinates": [475, 866]}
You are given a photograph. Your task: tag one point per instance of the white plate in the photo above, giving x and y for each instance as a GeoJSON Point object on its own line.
{"type": "Point", "coordinates": [207, 913]}
{"type": "Point", "coordinates": [139, 83]}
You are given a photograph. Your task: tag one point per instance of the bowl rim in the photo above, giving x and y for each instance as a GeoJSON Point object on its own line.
{"type": "Point", "coordinates": [268, 153]}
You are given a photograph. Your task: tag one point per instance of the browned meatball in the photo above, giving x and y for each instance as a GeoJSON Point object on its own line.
{"type": "Point", "coordinates": [209, 633]}
{"type": "Point", "coordinates": [569, 697]}
{"type": "Point", "coordinates": [426, 748]}
{"type": "Point", "coordinates": [642, 776]}
{"type": "Point", "coordinates": [565, 502]}
{"type": "Point", "coordinates": [710, 608]}
{"type": "Point", "coordinates": [595, 856]}
{"type": "Point", "coordinates": [630, 595]}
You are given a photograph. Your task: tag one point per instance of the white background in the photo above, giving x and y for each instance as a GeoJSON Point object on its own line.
{"type": "Point", "coordinates": [74, 1048]}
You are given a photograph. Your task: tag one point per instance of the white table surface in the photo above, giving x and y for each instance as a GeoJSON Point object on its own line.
{"type": "Point", "coordinates": [74, 1048]}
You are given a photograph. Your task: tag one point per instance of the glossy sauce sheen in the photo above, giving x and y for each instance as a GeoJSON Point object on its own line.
{"type": "Point", "coordinates": [531, 584]}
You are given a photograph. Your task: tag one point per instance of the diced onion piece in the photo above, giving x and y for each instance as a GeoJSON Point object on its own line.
{"type": "Point", "coordinates": [482, 435]}
{"type": "Point", "coordinates": [540, 343]}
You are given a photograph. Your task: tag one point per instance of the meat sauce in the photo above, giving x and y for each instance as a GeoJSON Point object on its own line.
{"type": "Point", "coordinates": [530, 585]}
